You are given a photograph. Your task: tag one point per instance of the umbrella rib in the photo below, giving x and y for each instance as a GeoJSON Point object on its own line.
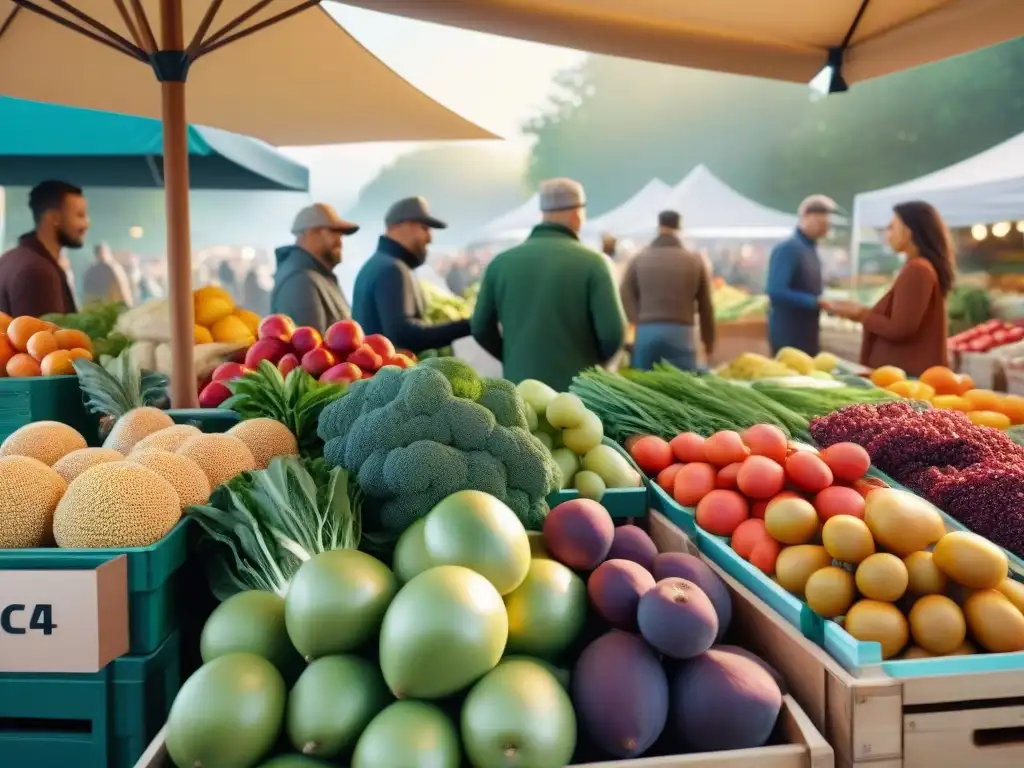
{"type": "Point", "coordinates": [9, 20]}
{"type": "Point", "coordinates": [67, 23]}
{"type": "Point", "coordinates": [144, 28]}
{"type": "Point", "coordinates": [203, 28]}
{"type": "Point", "coordinates": [100, 28]}
{"type": "Point", "coordinates": [130, 24]}
{"type": "Point", "coordinates": [234, 24]}
{"type": "Point", "coordinates": [217, 41]}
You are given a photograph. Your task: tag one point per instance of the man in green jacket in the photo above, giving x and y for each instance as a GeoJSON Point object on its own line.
{"type": "Point", "coordinates": [549, 308]}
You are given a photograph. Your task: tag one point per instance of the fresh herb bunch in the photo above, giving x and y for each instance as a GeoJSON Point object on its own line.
{"type": "Point", "coordinates": [262, 525]}
{"type": "Point", "coordinates": [295, 401]}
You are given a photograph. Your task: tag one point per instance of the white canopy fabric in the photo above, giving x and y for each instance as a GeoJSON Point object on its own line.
{"type": "Point", "coordinates": [511, 225]}
{"type": "Point", "coordinates": [645, 204]}
{"type": "Point", "coordinates": [986, 188]}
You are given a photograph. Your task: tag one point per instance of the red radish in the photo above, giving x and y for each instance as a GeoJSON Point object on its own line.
{"type": "Point", "coordinates": [766, 440]}
{"type": "Point", "coordinates": [213, 394]}
{"type": "Point", "coordinates": [727, 476]}
{"type": "Point", "coordinates": [317, 361]}
{"type": "Point", "coordinates": [748, 535]}
{"type": "Point", "coordinates": [342, 373]}
{"type": "Point", "coordinates": [725, 447]}
{"type": "Point", "coordinates": [651, 454]}
{"type": "Point", "coordinates": [848, 461]}
{"type": "Point", "coordinates": [380, 344]}
{"type": "Point", "coordinates": [288, 363]}
{"type": "Point", "coordinates": [760, 478]}
{"type": "Point", "coordinates": [306, 339]}
{"type": "Point", "coordinates": [693, 482]}
{"type": "Point", "coordinates": [228, 371]}
{"type": "Point", "coordinates": [838, 500]}
{"type": "Point", "coordinates": [366, 358]}
{"type": "Point", "coordinates": [667, 477]}
{"type": "Point", "coordinates": [276, 327]}
{"type": "Point", "coordinates": [688, 446]}
{"type": "Point", "coordinates": [807, 472]}
{"type": "Point", "coordinates": [266, 349]}
{"type": "Point", "coordinates": [721, 512]}
{"type": "Point", "coordinates": [343, 337]}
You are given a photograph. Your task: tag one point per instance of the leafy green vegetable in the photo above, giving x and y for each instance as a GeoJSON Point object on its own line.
{"type": "Point", "coordinates": [296, 401]}
{"type": "Point", "coordinates": [262, 525]}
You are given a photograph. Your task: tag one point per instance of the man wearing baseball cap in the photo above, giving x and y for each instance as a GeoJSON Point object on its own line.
{"type": "Point", "coordinates": [549, 308]}
{"type": "Point", "coordinates": [305, 286]}
{"type": "Point", "coordinates": [387, 297]}
{"type": "Point", "coordinates": [795, 281]}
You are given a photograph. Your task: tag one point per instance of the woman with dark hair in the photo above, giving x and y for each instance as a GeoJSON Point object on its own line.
{"type": "Point", "coordinates": [908, 326]}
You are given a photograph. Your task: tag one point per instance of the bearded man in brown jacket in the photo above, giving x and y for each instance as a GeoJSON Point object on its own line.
{"type": "Point", "coordinates": [664, 291]}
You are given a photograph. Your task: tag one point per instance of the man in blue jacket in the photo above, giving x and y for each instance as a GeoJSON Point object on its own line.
{"type": "Point", "coordinates": [795, 281]}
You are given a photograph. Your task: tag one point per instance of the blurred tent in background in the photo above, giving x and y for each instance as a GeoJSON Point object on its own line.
{"type": "Point", "coordinates": [646, 203]}
{"type": "Point", "coordinates": [514, 225]}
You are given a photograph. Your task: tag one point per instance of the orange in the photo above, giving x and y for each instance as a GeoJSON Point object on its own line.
{"type": "Point", "coordinates": [921, 391]}
{"type": "Point", "coordinates": [886, 375]}
{"type": "Point", "coordinates": [20, 330]}
{"type": "Point", "coordinates": [5, 320]}
{"type": "Point", "coordinates": [952, 403]}
{"type": "Point", "coordinates": [989, 419]}
{"type": "Point", "coordinates": [57, 363]}
{"type": "Point", "coordinates": [983, 399]}
{"type": "Point", "coordinates": [7, 351]}
{"type": "Point", "coordinates": [41, 343]}
{"type": "Point", "coordinates": [80, 353]}
{"type": "Point", "coordinates": [22, 366]}
{"type": "Point", "coordinates": [966, 383]}
{"type": "Point", "coordinates": [945, 381]}
{"type": "Point", "coordinates": [71, 339]}
{"type": "Point", "coordinates": [1013, 406]}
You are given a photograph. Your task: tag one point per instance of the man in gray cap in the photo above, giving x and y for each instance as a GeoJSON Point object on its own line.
{"type": "Point", "coordinates": [305, 286]}
{"type": "Point", "coordinates": [387, 297]}
{"type": "Point", "coordinates": [549, 308]}
{"type": "Point", "coordinates": [795, 284]}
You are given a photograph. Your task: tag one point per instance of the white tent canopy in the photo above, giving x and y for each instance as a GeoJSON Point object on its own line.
{"type": "Point", "coordinates": [644, 205]}
{"type": "Point", "coordinates": [986, 188]}
{"type": "Point", "coordinates": [511, 225]}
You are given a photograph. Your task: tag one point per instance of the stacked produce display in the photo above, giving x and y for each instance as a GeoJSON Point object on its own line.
{"type": "Point", "coordinates": [32, 347]}
{"type": "Point", "coordinates": [788, 363]}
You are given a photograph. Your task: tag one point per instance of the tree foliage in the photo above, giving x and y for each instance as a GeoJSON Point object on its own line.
{"type": "Point", "coordinates": [614, 124]}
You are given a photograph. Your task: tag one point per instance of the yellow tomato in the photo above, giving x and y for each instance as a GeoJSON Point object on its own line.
{"type": "Point", "coordinates": [1013, 406]}
{"type": "Point", "coordinates": [983, 399]}
{"type": "Point", "coordinates": [886, 375]}
{"type": "Point", "coordinates": [989, 419]}
{"type": "Point", "coordinates": [952, 403]}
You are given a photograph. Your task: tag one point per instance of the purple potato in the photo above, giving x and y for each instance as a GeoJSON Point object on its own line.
{"type": "Point", "coordinates": [579, 533]}
{"type": "Point", "coordinates": [677, 618]}
{"type": "Point", "coordinates": [692, 568]}
{"type": "Point", "coordinates": [757, 660]}
{"type": "Point", "coordinates": [615, 589]}
{"type": "Point", "coordinates": [632, 543]}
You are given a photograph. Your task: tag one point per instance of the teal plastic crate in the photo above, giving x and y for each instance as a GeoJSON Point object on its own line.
{"type": "Point", "coordinates": [100, 720]}
{"type": "Point", "coordinates": [152, 580]}
{"type": "Point", "coordinates": [45, 398]}
{"type": "Point", "coordinates": [206, 419]}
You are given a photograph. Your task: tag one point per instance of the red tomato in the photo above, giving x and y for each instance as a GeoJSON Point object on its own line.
{"type": "Point", "coordinates": [688, 446]}
{"type": "Point", "coordinates": [667, 477]}
{"type": "Point", "coordinates": [807, 472]}
{"type": "Point", "coordinates": [693, 482]}
{"type": "Point", "coordinates": [721, 512]}
{"type": "Point", "coordinates": [764, 555]}
{"type": "Point", "coordinates": [724, 448]}
{"type": "Point", "coordinates": [760, 477]}
{"type": "Point", "coordinates": [848, 461]}
{"type": "Point", "coordinates": [766, 440]}
{"type": "Point", "coordinates": [651, 454]}
{"type": "Point", "coordinates": [727, 476]}
{"type": "Point", "coordinates": [748, 535]}
{"type": "Point", "coordinates": [838, 500]}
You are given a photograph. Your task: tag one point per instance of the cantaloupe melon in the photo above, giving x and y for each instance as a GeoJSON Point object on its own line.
{"type": "Point", "coordinates": [221, 456]}
{"type": "Point", "coordinates": [47, 441]}
{"type": "Point", "coordinates": [115, 505]}
{"type": "Point", "coordinates": [76, 462]}
{"type": "Point", "coordinates": [167, 439]}
{"type": "Point", "coordinates": [29, 493]}
{"type": "Point", "coordinates": [265, 439]}
{"type": "Point", "coordinates": [971, 560]}
{"type": "Point", "coordinates": [185, 476]}
{"type": "Point", "coordinates": [135, 425]}
{"type": "Point", "coordinates": [994, 621]}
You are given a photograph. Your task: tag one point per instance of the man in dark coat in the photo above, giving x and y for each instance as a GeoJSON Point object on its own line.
{"type": "Point", "coordinates": [387, 297]}
{"type": "Point", "coordinates": [32, 282]}
{"type": "Point", "coordinates": [305, 286]}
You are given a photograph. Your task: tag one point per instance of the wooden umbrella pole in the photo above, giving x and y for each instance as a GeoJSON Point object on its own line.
{"type": "Point", "coordinates": [176, 187]}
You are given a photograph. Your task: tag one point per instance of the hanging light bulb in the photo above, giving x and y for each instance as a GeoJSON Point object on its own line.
{"type": "Point", "coordinates": [1020, 227]}
{"type": "Point", "coordinates": [979, 232]}
{"type": "Point", "coordinates": [1001, 229]}
{"type": "Point", "coordinates": [135, 232]}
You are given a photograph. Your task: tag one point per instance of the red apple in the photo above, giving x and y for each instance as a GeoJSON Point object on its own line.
{"type": "Point", "coordinates": [288, 363]}
{"type": "Point", "coordinates": [400, 360]}
{"type": "Point", "coordinates": [228, 371]}
{"type": "Point", "coordinates": [276, 327]}
{"type": "Point", "coordinates": [343, 337]}
{"type": "Point", "coordinates": [266, 349]}
{"type": "Point", "coordinates": [381, 345]}
{"type": "Point", "coordinates": [213, 394]}
{"type": "Point", "coordinates": [366, 358]}
{"type": "Point", "coordinates": [342, 372]}
{"type": "Point", "coordinates": [305, 339]}
{"type": "Point", "coordinates": [317, 361]}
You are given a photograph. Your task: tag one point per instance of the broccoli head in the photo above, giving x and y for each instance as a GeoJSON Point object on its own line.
{"type": "Point", "coordinates": [415, 436]}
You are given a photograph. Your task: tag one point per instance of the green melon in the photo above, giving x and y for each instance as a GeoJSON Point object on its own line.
{"type": "Point", "coordinates": [561, 674]}
{"type": "Point", "coordinates": [228, 713]}
{"type": "Point", "coordinates": [336, 602]}
{"type": "Point", "coordinates": [547, 612]}
{"type": "Point", "coordinates": [332, 702]}
{"type": "Point", "coordinates": [411, 557]}
{"type": "Point", "coordinates": [518, 715]}
{"type": "Point", "coordinates": [444, 630]}
{"type": "Point", "coordinates": [250, 622]}
{"type": "Point", "coordinates": [477, 531]}
{"type": "Point", "coordinates": [409, 734]}
{"type": "Point", "coordinates": [294, 761]}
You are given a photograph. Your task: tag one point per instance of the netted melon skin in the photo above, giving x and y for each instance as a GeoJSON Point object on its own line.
{"type": "Point", "coordinates": [167, 439]}
{"type": "Point", "coordinates": [221, 456]}
{"type": "Point", "coordinates": [47, 441]}
{"type": "Point", "coordinates": [29, 494]}
{"type": "Point", "coordinates": [185, 476]}
{"type": "Point", "coordinates": [76, 462]}
{"type": "Point", "coordinates": [135, 425]}
{"type": "Point", "coordinates": [265, 439]}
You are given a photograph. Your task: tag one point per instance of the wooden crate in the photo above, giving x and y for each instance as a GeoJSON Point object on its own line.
{"type": "Point", "coordinates": [803, 747]}
{"type": "Point", "coordinates": [733, 339]}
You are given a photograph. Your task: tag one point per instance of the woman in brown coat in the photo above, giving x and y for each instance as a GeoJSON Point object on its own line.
{"type": "Point", "coordinates": [908, 326]}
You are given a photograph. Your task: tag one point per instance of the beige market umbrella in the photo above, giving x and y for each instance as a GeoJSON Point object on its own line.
{"type": "Point", "coordinates": [777, 39]}
{"type": "Point", "coordinates": [281, 70]}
